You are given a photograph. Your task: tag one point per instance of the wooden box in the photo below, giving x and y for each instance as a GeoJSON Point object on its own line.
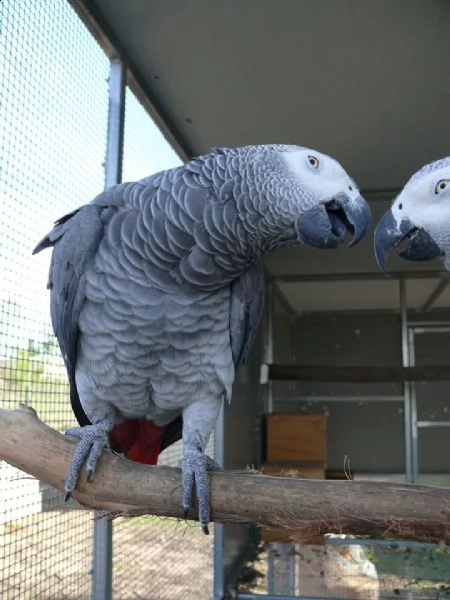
{"type": "Point", "coordinates": [295, 438]}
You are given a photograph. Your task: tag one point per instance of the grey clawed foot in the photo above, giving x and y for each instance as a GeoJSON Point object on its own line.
{"type": "Point", "coordinates": [195, 466]}
{"type": "Point", "coordinates": [93, 439]}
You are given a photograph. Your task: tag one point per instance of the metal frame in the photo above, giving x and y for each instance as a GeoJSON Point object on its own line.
{"type": "Point", "coordinates": [102, 551]}
{"type": "Point", "coordinates": [283, 550]}
{"type": "Point", "coordinates": [418, 328]}
{"type": "Point", "coordinates": [375, 276]}
{"type": "Point", "coordinates": [268, 342]}
{"type": "Point", "coordinates": [282, 597]}
{"type": "Point", "coordinates": [333, 399]}
{"type": "Point", "coordinates": [113, 48]}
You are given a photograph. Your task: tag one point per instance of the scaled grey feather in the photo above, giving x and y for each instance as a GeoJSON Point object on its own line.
{"type": "Point", "coordinates": [157, 285]}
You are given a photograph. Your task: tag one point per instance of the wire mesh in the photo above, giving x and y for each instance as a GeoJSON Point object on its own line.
{"type": "Point", "coordinates": [156, 558]}
{"type": "Point", "coordinates": [53, 112]}
{"type": "Point", "coordinates": [349, 568]}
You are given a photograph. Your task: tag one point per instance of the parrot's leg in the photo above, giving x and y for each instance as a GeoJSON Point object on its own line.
{"type": "Point", "coordinates": [199, 419]}
{"type": "Point", "coordinates": [93, 439]}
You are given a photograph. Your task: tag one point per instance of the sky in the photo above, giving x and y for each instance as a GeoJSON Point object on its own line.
{"type": "Point", "coordinates": [53, 121]}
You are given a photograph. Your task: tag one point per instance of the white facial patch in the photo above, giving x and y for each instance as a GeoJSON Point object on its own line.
{"type": "Point", "coordinates": [326, 178]}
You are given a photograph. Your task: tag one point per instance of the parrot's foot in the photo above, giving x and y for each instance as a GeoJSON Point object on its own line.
{"type": "Point", "coordinates": [93, 438]}
{"type": "Point", "coordinates": [195, 466]}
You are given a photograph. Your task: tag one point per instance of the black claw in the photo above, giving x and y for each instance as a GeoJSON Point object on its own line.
{"type": "Point", "coordinates": [67, 496]}
{"type": "Point", "coordinates": [205, 529]}
{"type": "Point", "coordinates": [89, 473]}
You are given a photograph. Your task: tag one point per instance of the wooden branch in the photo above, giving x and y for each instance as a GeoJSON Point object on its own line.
{"type": "Point", "coordinates": [358, 374]}
{"type": "Point", "coordinates": [305, 507]}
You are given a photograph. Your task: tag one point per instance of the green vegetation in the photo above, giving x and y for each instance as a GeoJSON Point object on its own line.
{"type": "Point", "coordinates": [416, 569]}
{"type": "Point", "coordinates": [35, 376]}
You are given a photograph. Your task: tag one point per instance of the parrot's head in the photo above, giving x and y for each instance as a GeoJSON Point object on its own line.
{"type": "Point", "coordinates": [333, 206]}
{"type": "Point", "coordinates": [319, 201]}
{"type": "Point", "coordinates": [421, 214]}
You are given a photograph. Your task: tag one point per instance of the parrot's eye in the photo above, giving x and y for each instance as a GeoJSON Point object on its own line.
{"type": "Point", "coordinates": [441, 186]}
{"type": "Point", "coordinates": [313, 162]}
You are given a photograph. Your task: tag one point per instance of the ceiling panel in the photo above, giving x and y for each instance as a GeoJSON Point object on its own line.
{"type": "Point", "coordinates": [362, 81]}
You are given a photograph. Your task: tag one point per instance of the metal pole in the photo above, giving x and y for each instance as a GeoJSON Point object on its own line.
{"type": "Point", "coordinates": [406, 385]}
{"type": "Point", "coordinates": [413, 413]}
{"type": "Point", "coordinates": [219, 531]}
{"type": "Point", "coordinates": [102, 551]}
{"type": "Point", "coordinates": [268, 356]}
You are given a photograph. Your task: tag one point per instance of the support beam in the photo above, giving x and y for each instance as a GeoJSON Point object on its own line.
{"type": "Point", "coordinates": [360, 276]}
{"type": "Point", "coordinates": [102, 554]}
{"type": "Point", "coordinates": [268, 340]}
{"type": "Point", "coordinates": [327, 373]}
{"type": "Point", "coordinates": [435, 294]}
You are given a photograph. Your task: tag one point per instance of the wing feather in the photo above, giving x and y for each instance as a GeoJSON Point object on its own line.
{"type": "Point", "coordinates": [246, 305]}
{"type": "Point", "coordinates": [75, 240]}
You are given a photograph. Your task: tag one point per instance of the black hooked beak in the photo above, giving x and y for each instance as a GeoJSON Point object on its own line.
{"type": "Point", "coordinates": [389, 234]}
{"type": "Point", "coordinates": [326, 225]}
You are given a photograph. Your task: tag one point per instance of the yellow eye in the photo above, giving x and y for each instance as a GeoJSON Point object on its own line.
{"type": "Point", "coordinates": [313, 162]}
{"type": "Point", "coordinates": [441, 186]}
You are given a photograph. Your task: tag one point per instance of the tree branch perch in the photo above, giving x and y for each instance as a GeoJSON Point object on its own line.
{"type": "Point", "coordinates": [305, 507]}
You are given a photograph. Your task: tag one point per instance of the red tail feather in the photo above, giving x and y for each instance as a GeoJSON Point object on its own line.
{"type": "Point", "coordinates": [139, 439]}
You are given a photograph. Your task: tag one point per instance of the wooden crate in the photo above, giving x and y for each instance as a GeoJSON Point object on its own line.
{"type": "Point", "coordinates": [295, 438]}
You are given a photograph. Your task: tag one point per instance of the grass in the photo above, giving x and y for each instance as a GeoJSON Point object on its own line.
{"type": "Point", "coordinates": [416, 569]}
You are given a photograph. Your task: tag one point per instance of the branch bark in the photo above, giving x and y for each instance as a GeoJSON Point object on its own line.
{"type": "Point", "coordinates": [306, 508]}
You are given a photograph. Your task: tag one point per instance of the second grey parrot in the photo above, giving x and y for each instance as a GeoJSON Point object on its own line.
{"type": "Point", "coordinates": [420, 214]}
{"type": "Point", "coordinates": [157, 292]}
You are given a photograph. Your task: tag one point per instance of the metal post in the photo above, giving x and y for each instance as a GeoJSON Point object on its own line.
{"type": "Point", "coordinates": [219, 532]}
{"type": "Point", "coordinates": [102, 551]}
{"type": "Point", "coordinates": [406, 385]}
{"type": "Point", "coordinates": [413, 412]}
{"type": "Point", "coordinates": [268, 351]}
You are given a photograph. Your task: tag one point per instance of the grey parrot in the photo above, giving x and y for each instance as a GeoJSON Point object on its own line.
{"type": "Point", "coordinates": [157, 293]}
{"type": "Point", "coordinates": [420, 214]}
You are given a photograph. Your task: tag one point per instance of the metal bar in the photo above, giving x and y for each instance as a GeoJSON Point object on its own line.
{"type": "Point", "coordinates": [429, 329]}
{"type": "Point", "coordinates": [268, 353]}
{"type": "Point", "coordinates": [219, 532]}
{"type": "Point", "coordinates": [116, 122]}
{"type": "Point", "coordinates": [331, 541]}
{"type": "Point", "coordinates": [426, 424]}
{"type": "Point", "coordinates": [249, 596]}
{"type": "Point", "coordinates": [363, 276]}
{"type": "Point", "coordinates": [283, 578]}
{"type": "Point", "coordinates": [111, 44]}
{"type": "Point", "coordinates": [102, 551]}
{"type": "Point", "coordinates": [219, 583]}
{"type": "Point", "coordinates": [406, 385]}
{"type": "Point", "coordinates": [270, 568]}
{"type": "Point", "coordinates": [428, 325]}
{"type": "Point", "coordinates": [435, 294]}
{"type": "Point", "coordinates": [358, 374]}
{"type": "Point", "coordinates": [413, 414]}
{"type": "Point", "coordinates": [358, 398]}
